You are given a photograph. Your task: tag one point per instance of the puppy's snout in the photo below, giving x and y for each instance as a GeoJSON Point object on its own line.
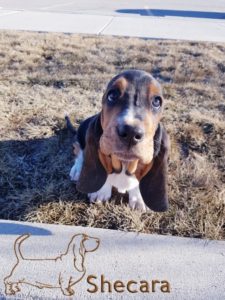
{"type": "Point", "coordinates": [130, 134]}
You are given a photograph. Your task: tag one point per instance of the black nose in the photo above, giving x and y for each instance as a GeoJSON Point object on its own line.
{"type": "Point", "coordinates": [129, 134]}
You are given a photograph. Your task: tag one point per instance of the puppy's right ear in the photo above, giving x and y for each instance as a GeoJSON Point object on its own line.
{"type": "Point", "coordinates": [93, 175]}
{"type": "Point", "coordinates": [153, 185]}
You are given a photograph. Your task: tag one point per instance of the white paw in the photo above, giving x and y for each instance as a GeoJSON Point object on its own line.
{"type": "Point", "coordinates": [77, 167]}
{"type": "Point", "coordinates": [135, 200]}
{"type": "Point", "coordinates": [104, 194]}
{"type": "Point", "coordinates": [74, 173]}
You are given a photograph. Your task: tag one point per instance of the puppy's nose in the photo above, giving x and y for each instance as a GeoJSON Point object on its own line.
{"type": "Point", "coordinates": [129, 134]}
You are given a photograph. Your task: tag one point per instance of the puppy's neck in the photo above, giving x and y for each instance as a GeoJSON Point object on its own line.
{"type": "Point", "coordinates": [129, 166]}
{"type": "Point", "coordinates": [113, 164]}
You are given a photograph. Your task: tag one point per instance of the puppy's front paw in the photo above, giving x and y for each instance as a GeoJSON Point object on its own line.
{"type": "Point", "coordinates": [77, 167]}
{"type": "Point", "coordinates": [135, 200]}
{"type": "Point", "coordinates": [74, 173]}
{"type": "Point", "coordinates": [104, 194]}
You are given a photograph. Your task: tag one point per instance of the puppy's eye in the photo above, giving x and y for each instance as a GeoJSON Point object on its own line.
{"type": "Point", "coordinates": [113, 96]}
{"type": "Point", "coordinates": [157, 102]}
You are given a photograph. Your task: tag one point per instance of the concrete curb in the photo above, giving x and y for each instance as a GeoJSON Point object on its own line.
{"type": "Point", "coordinates": [193, 268]}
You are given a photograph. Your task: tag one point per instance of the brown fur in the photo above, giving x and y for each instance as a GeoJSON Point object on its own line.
{"type": "Point", "coordinates": [142, 170]}
{"type": "Point", "coordinates": [122, 84]}
{"type": "Point", "coordinates": [106, 162]}
{"type": "Point", "coordinates": [132, 166]}
{"type": "Point", "coordinates": [154, 88]}
{"type": "Point", "coordinates": [117, 164]}
{"type": "Point", "coordinates": [109, 138]}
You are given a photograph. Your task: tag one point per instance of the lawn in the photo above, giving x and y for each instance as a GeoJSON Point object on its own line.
{"type": "Point", "coordinates": [44, 75]}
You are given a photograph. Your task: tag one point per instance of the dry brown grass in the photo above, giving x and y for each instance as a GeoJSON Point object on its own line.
{"type": "Point", "coordinates": [44, 75]}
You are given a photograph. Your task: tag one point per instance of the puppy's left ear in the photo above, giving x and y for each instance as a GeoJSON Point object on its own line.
{"type": "Point", "coordinates": [93, 174]}
{"type": "Point", "coordinates": [153, 185]}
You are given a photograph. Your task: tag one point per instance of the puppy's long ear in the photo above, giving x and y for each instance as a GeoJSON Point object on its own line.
{"type": "Point", "coordinates": [93, 174]}
{"type": "Point", "coordinates": [153, 185]}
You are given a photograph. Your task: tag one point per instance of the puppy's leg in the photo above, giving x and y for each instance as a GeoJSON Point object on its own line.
{"type": "Point", "coordinates": [77, 167]}
{"type": "Point", "coordinates": [104, 194]}
{"type": "Point", "coordinates": [135, 199]}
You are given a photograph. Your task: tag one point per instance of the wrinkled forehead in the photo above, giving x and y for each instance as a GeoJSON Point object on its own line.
{"type": "Point", "coordinates": [136, 82]}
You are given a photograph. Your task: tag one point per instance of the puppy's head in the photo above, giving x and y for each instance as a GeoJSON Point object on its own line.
{"type": "Point", "coordinates": [131, 111]}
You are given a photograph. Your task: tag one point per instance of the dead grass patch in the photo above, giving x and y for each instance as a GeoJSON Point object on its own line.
{"type": "Point", "coordinates": [44, 75]}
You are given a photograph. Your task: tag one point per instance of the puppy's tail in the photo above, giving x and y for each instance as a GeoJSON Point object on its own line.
{"type": "Point", "coordinates": [17, 245]}
{"type": "Point", "coordinates": [69, 125]}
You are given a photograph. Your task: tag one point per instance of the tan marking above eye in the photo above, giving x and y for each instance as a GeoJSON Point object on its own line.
{"type": "Point", "coordinates": [155, 89]}
{"type": "Point", "coordinates": [122, 84]}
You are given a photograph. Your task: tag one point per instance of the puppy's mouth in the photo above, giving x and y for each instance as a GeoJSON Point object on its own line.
{"type": "Point", "coordinates": [125, 156]}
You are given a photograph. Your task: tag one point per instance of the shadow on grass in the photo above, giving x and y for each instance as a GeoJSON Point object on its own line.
{"type": "Point", "coordinates": [34, 172]}
{"type": "Point", "coordinates": [174, 13]}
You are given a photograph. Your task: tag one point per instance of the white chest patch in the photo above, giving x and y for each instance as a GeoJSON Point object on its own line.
{"type": "Point", "coordinates": [122, 182]}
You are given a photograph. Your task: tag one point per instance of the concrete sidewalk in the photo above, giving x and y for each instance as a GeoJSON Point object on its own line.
{"type": "Point", "coordinates": [176, 268]}
{"type": "Point", "coordinates": [189, 20]}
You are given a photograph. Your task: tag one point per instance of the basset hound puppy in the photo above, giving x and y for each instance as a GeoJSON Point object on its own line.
{"type": "Point", "coordinates": [125, 146]}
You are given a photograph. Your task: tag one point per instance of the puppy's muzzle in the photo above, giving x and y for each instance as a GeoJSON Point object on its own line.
{"type": "Point", "coordinates": [130, 135]}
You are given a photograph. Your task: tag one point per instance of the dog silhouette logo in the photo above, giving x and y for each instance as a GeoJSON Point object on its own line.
{"type": "Point", "coordinates": [67, 269]}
